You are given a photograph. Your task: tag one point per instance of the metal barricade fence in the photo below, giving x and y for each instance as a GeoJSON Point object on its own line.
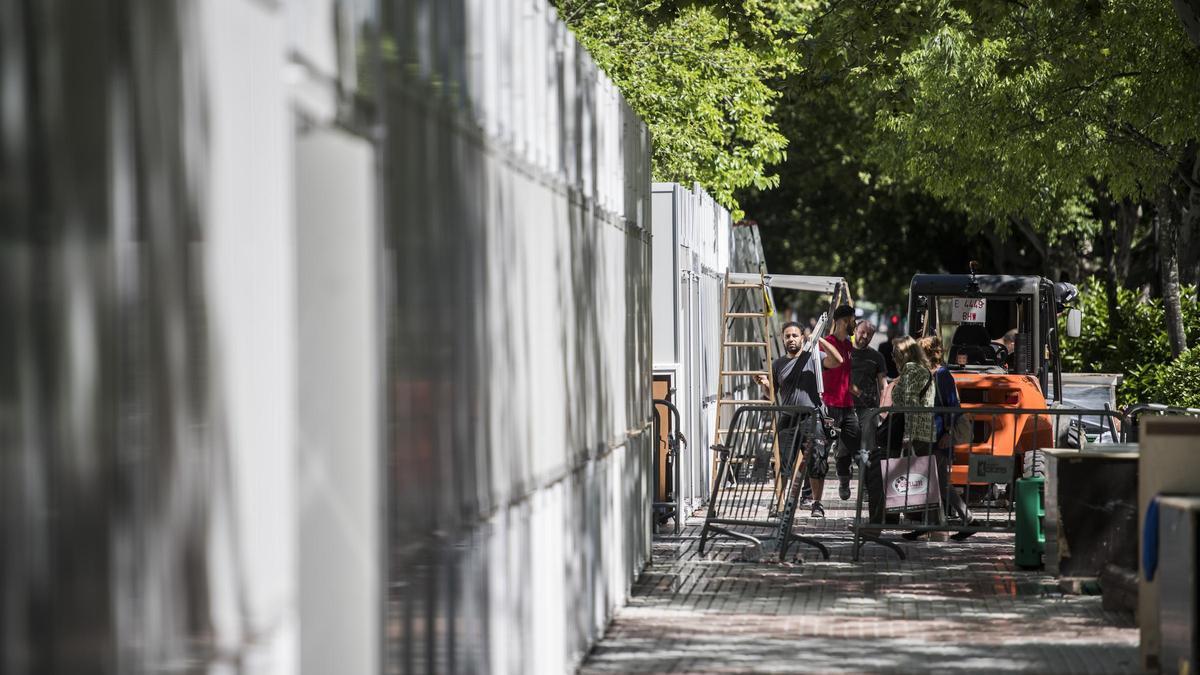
{"type": "Point", "coordinates": [665, 510]}
{"type": "Point", "coordinates": [749, 492]}
{"type": "Point", "coordinates": [966, 486]}
{"type": "Point", "coordinates": [1134, 413]}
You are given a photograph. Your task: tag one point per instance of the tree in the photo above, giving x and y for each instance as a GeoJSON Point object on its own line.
{"type": "Point", "coordinates": [1034, 121]}
{"type": "Point", "coordinates": [835, 214]}
{"type": "Point", "coordinates": [698, 73]}
{"type": "Point", "coordinates": [1016, 118]}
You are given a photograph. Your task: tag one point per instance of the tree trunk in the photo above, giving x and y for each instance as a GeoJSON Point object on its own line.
{"type": "Point", "coordinates": [1166, 221]}
{"type": "Point", "coordinates": [1128, 216]}
{"type": "Point", "coordinates": [1189, 229]}
{"type": "Point", "coordinates": [1189, 16]}
{"type": "Point", "coordinates": [1116, 325]}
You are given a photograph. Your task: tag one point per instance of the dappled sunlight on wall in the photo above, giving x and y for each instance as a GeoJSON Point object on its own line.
{"type": "Point", "coordinates": [515, 188]}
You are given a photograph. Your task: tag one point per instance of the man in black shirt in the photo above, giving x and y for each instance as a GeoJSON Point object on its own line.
{"type": "Point", "coordinates": [885, 350]}
{"type": "Point", "coordinates": [867, 369]}
{"type": "Point", "coordinates": [796, 383]}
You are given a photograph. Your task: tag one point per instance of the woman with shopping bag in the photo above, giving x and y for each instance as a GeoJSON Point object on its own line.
{"type": "Point", "coordinates": [949, 429]}
{"type": "Point", "coordinates": [911, 481]}
{"type": "Point", "coordinates": [900, 471]}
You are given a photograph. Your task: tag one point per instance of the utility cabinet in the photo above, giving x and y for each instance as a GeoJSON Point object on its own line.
{"type": "Point", "coordinates": [1178, 521]}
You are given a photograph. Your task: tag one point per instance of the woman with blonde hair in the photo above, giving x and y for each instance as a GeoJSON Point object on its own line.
{"type": "Point", "coordinates": [914, 389]}
{"type": "Point", "coordinates": [946, 392]}
{"type": "Point", "coordinates": [945, 396]}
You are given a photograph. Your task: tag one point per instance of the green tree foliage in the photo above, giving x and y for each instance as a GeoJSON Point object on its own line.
{"type": "Point", "coordinates": [1179, 381]}
{"type": "Point", "coordinates": [699, 74]}
{"type": "Point", "coordinates": [834, 214]}
{"type": "Point", "coordinates": [1140, 349]}
{"type": "Point", "coordinates": [1031, 122]}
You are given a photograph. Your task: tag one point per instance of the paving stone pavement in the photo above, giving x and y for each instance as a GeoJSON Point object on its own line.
{"type": "Point", "coordinates": [950, 607]}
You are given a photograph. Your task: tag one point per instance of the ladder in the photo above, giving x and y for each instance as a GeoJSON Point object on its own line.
{"type": "Point", "coordinates": [746, 304]}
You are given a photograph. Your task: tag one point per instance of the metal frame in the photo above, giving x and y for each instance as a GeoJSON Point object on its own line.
{"type": "Point", "coordinates": [739, 454]}
{"type": "Point", "coordinates": [674, 440]}
{"type": "Point", "coordinates": [865, 531]}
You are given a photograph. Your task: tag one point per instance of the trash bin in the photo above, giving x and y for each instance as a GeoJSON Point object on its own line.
{"type": "Point", "coordinates": [1031, 513]}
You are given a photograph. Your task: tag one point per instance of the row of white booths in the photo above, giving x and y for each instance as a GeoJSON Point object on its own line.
{"type": "Point", "coordinates": [695, 244]}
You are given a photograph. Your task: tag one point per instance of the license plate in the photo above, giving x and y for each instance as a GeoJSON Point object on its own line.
{"type": "Point", "coordinates": [969, 310]}
{"type": "Point", "coordinates": [989, 469]}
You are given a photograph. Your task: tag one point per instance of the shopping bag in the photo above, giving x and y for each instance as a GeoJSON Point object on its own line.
{"type": "Point", "coordinates": [911, 483]}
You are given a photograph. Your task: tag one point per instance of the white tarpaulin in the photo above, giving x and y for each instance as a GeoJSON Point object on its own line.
{"type": "Point", "coordinates": [792, 281]}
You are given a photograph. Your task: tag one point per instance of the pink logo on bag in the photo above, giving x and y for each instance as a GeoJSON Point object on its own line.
{"type": "Point", "coordinates": [910, 484]}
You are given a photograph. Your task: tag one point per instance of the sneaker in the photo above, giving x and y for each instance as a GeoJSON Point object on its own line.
{"type": "Point", "coordinates": [818, 511]}
{"type": "Point", "coordinates": [844, 488]}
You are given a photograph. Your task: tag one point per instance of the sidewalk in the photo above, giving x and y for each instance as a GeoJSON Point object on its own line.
{"type": "Point", "coordinates": [951, 607]}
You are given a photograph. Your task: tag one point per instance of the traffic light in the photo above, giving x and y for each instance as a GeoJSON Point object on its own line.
{"type": "Point", "coordinates": [895, 319]}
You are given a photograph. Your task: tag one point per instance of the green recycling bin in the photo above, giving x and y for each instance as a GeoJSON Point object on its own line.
{"type": "Point", "coordinates": [1031, 514]}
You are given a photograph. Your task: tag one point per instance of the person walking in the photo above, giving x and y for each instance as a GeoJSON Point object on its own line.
{"type": "Point", "coordinates": [945, 396]}
{"type": "Point", "coordinates": [840, 403]}
{"type": "Point", "coordinates": [915, 389]}
{"type": "Point", "coordinates": [868, 371]}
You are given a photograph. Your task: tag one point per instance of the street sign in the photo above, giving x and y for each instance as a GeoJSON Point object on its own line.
{"type": "Point", "coordinates": [989, 469]}
{"type": "Point", "coordinates": [968, 310]}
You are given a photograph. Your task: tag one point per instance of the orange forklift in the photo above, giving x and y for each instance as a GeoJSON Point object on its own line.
{"type": "Point", "coordinates": [1002, 347]}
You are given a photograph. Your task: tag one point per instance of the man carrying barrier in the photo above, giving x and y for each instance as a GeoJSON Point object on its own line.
{"type": "Point", "coordinates": [742, 496]}
{"type": "Point", "coordinates": [797, 383]}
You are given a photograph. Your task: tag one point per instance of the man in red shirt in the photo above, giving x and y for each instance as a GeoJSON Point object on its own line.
{"type": "Point", "coordinates": [840, 403]}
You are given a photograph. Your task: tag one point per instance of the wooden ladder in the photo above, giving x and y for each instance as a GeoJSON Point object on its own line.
{"type": "Point", "coordinates": [759, 312]}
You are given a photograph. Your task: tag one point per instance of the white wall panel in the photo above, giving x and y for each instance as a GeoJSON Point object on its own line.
{"type": "Point", "coordinates": [335, 340]}
{"type": "Point", "coordinates": [340, 413]}
{"type": "Point", "coordinates": [695, 243]}
{"type": "Point", "coordinates": [251, 290]}
{"type": "Point", "coordinates": [539, 340]}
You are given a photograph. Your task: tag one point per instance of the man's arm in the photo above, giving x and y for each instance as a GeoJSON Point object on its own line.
{"type": "Point", "coordinates": [833, 357]}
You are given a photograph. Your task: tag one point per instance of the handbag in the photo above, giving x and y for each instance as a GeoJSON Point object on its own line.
{"type": "Point", "coordinates": [911, 482]}
{"type": "Point", "coordinates": [963, 431]}
{"type": "Point", "coordinates": [959, 432]}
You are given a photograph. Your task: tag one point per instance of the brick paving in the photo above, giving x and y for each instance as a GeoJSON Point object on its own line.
{"type": "Point", "coordinates": [950, 607]}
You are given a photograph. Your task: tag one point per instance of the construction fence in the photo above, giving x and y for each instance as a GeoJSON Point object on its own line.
{"type": "Point", "coordinates": [329, 324]}
{"type": "Point", "coordinates": [975, 481]}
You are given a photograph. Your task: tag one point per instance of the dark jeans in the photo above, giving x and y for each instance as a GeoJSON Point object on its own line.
{"type": "Point", "coordinates": [849, 438]}
{"type": "Point", "coordinates": [788, 452]}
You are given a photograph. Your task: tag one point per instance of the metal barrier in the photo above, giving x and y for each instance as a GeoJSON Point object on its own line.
{"type": "Point", "coordinates": [744, 491]}
{"type": "Point", "coordinates": [965, 488]}
{"type": "Point", "coordinates": [1133, 414]}
{"type": "Point", "coordinates": [669, 509]}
